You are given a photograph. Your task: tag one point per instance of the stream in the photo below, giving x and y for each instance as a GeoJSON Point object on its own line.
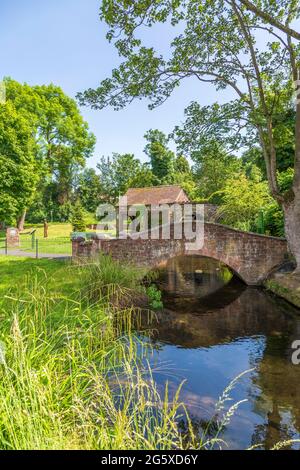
{"type": "Point", "coordinates": [212, 328]}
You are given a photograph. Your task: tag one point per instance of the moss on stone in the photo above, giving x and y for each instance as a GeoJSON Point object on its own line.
{"type": "Point", "coordinates": [286, 286]}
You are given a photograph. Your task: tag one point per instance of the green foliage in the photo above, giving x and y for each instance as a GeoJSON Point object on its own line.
{"type": "Point", "coordinates": [89, 189]}
{"type": "Point", "coordinates": [285, 179]}
{"type": "Point", "coordinates": [61, 144]}
{"type": "Point", "coordinates": [68, 363]}
{"type": "Point", "coordinates": [105, 277]}
{"type": "Point", "coordinates": [242, 202]}
{"type": "Point", "coordinates": [273, 213]}
{"type": "Point", "coordinates": [181, 165]}
{"type": "Point", "coordinates": [78, 218]}
{"type": "Point", "coordinates": [121, 172]}
{"type": "Point", "coordinates": [154, 295]}
{"type": "Point", "coordinates": [284, 137]}
{"type": "Point", "coordinates": [213, 167]}
{"type": "Point", "coordinates": [166, 167]}
{"type": "Point", "coordinates": [274, 220]}
{"type": "Point", "coordinates": [216, 198]}
{"type": "Point", "coordinates": [19, 168]}
{"type": "Point", "coordinates": [162, 160]}
{"type": "Point", "coordinates": [216, 42]}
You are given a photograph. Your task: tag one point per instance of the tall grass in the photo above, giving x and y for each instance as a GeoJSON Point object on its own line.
{"type": "Point", "coordinates": [76, 380]}
{"type": "Point", "coordinates": [75, 376]}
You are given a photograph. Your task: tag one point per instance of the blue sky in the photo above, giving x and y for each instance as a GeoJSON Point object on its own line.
{"type": "Point", "coordinates": [63, 42]}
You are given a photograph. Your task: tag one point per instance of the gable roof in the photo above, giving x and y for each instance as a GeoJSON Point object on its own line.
{"type": "Point", "coordinates": [168, 194]}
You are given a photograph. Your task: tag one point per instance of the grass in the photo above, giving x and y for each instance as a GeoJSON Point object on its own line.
{"type": "Point", "coordinates": [57, 275]}
{"type": "Point", "coordinates": [75, 375]}
{"type": "Point", "coordinates": [72, 376]}
{"type": "Point", "coordinates": [58, 241]}
{"type": "Point", "coordinates": [55, 230]}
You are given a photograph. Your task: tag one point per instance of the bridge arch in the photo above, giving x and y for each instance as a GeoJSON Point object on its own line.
{"type": "Point", "coordinates": [251, 256]}
{"type": "Point", "coordinates": [201, 255]}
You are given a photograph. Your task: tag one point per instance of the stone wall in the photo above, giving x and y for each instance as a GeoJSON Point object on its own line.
{"type": "Point", "coordinates": [251, 256]}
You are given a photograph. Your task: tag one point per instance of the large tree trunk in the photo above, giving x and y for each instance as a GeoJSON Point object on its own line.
{"type": "Point", "coordinates": [292, 208]}
{"type": "Point", "coordinates": [21, 220]}
{"type": "Point", "coordinates": [292, 227]}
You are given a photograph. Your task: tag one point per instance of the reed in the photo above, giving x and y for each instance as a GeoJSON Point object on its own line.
{"type": "Point", "coordinates": [76, 376]}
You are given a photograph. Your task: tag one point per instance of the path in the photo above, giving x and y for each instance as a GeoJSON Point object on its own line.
{"type": "Point", "coordinates": [28, 254]}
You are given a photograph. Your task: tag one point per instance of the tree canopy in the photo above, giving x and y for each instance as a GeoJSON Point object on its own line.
{"type": "Point", "coordinates": [60, 144]}
{"type": "Point", "coordinates": [19, 168]}
{"type": "Point", "coordinates": [215, 42]}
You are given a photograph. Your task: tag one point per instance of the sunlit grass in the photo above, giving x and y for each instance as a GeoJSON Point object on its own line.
{"type": "Point", "coordinates": [76, 375]}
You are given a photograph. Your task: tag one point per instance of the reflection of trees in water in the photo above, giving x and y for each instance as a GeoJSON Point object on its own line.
{"type": "Point", "coordinates": [278, 381]}
{"type": "Point", "coordinates": [193, 276]}
{"type": "Point", "coordinates": [228, 315]}
{"type": "Point", "coordinates": [252, 313]}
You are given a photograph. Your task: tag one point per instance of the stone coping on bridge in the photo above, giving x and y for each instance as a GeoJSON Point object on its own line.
{"type": "Point", "coordinates": [138, 235]}
{"type": "Point", "coordinates": [245, 232]}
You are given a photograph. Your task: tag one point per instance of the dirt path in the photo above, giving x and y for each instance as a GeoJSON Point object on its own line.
{"type": "Point", "coordinates": [28, 254]}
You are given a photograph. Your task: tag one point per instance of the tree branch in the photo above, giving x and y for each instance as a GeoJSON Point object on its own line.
{"type": "Point", "coordinates": [270, 19]}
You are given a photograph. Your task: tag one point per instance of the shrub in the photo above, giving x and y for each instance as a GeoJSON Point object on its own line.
{"type": "Point", "coordinates": [78, 218]}
{"type": "Point", "coordinates": [154, 295]}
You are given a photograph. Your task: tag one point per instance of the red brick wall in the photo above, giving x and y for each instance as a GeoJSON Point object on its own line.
{"type": "Point", "coordinates": [249, 255]}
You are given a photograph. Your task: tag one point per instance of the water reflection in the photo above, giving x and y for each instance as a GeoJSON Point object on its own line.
{"type": "Point", "coordinates": [213, 328]}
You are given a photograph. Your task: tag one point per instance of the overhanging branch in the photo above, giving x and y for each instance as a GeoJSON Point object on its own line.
{"type": "Point", "coordinates": [270, 19]}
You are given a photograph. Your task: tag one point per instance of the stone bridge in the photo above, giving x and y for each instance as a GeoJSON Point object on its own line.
{"type": "Point", "coordinates": [251, 256]}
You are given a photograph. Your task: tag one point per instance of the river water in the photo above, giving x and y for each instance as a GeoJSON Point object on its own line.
{"type": "Point", "coordinates": [213, 328]}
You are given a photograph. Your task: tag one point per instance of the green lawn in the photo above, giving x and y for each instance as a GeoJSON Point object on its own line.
{"type": "Point", "coordinates": [58, 241]}
{"type": "Point", "coordinates": [55, 230]}
{"type": "Point", "coordinates": [57, 274]}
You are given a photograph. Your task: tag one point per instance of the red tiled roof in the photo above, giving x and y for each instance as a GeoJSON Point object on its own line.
{"type": "Point", "coordinates": [156, 195]}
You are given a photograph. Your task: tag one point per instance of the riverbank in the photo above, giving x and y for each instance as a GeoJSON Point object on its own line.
{"type": "Point", "coordinates": [79, 368]}
{"type": "Point", "coordinates": [73, 372]}
{"type": "Point", "coordinates": [285, 285]}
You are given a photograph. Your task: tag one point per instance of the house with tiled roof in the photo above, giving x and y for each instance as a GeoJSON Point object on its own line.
{"type": "Point", "coordinates": [167, 194]}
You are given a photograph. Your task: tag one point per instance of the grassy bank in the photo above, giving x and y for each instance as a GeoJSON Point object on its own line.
{"type": "Point", "coordinates": [72, 377]}
{"type": "Point", "coordinates": [73, 373]}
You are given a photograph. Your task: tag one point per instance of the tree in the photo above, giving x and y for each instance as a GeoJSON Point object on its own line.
{"type": "Point", "coordinates": [213, 163]}
{"type": "Point", "coordinates": [162, 159]}
{"type": "Point", "coordinates": [89, 189]}
{"type": "Point", "coordinates": [273, 20]}
{"type": "Point", "coordinates": [181, 165]}
{"type": "Point", "coordinates": [63, 141]}
{"type": "Point", "coordinates": [243, 199]}
{"type": "Point", "coordinates": [218, 45]}
{"type": "Point", "coordinates": [284, 138]}
{"type": "Point", "coordinates": [184, 176]}
{"type": "Point", "coordinates": [121, 172]}
{"type": "Point", "coordinates": [19, 169]}
{"type": "Point", "coordinates": [78, 218]}
{"type": "Point", "coordinates": [64, 137]}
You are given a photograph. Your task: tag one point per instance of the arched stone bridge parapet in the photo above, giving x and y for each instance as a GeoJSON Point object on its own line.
{"type": "Point", "coordinates": [250, 255]}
